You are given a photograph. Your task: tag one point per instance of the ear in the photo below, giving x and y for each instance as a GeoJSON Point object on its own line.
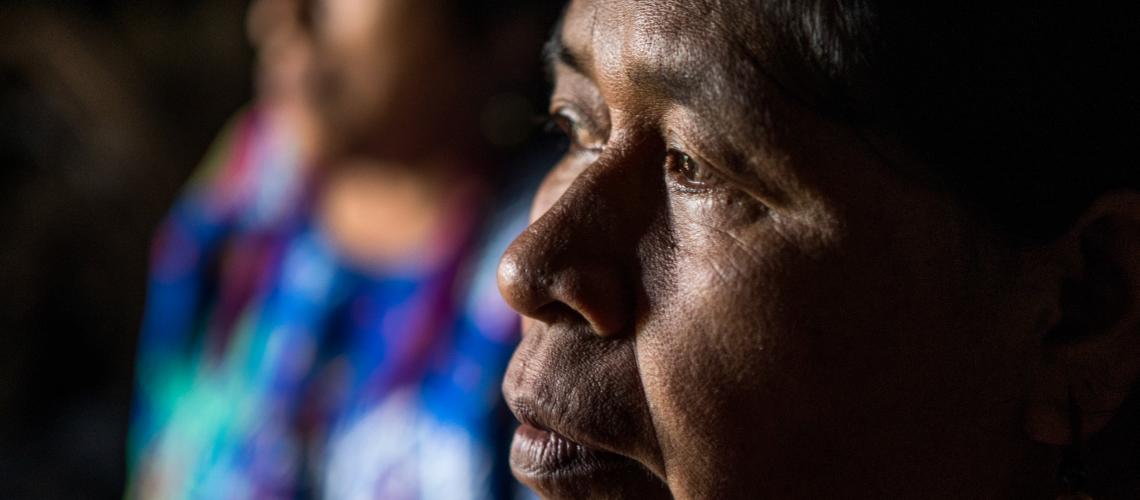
{"type": "Point", "coordinates": [1090, 356]}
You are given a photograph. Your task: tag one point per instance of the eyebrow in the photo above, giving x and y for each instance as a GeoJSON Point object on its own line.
{"type": "Point", "coordinates": [556, 52]}
{"type": "Point", "coordinates": [678, 86]}
{"type": "Point", "coordinates": [674, 85]}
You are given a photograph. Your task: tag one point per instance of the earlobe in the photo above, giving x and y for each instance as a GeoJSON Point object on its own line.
{"type": "Point", "coordinates": [1090, 356]}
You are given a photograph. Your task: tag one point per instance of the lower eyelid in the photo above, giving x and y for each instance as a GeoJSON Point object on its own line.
{"type": "Point", "coordinates": [729, 182]}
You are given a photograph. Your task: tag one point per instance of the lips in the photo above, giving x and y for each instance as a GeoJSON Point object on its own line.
{"type": "Point", "coordinates": [540, 453]}
{"type": "Point", "coordinates": [538, 449]}
{"type": "Point", "coordinates": [560, 467]}
{"type": "Point", "coordinates": [586, 430]}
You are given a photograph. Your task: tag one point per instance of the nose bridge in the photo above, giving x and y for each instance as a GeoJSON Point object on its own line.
{"type": "Point", "coordinates": [613, 196]}
{"type": "Point", "coordinates": [579, 256]}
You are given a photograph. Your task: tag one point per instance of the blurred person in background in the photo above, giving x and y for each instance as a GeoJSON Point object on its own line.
{"type": "Point", "coordinates": [322, 317]}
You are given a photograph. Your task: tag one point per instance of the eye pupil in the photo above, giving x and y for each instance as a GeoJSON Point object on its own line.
{"type": "Point", "coordinates": [687, 167]}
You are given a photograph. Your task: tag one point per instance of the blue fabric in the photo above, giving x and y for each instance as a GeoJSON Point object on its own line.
{"type": "Point", "coordinates": [271, 368]}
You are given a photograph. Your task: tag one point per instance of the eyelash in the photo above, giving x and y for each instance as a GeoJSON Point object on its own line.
{"type": "Point", "coordinates": [565, 124]}
{"type": "Point", "coordinates": [684, 169]}
{"type": "Point", "coordinates": [688, 172]}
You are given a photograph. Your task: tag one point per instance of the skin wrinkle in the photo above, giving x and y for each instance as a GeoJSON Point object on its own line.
{"type": "Point", "coordinates": [746, 175]}
{"type": "Point", "coordinates": [555, 212]}
{"type": "Point", "coordinates": [646, 247]}
{"type": "Point", "coordinates": [589, 389]}
{"type": "Point", "coordinates": [748, 250]}
{"type": "Point", "coordinates": [656, 73]}
{"type": "Point", "coordinates": [763, 151]}
{"type": "Point", "coordinates": [654, 262]}
{"type": "Point", "coordinates": [652, 72]}
{"type": "Point", "coordinates": [863, 335]}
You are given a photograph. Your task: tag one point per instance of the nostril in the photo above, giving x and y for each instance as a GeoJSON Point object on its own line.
{"type": "Point", "coordinates": [558, 312]}
{"type": "Point", "coordinates": [564, 297]}
{"type": "Point", "coordinates": [572, 265]}
{"type": "Point", "coordinates": [576, 292]}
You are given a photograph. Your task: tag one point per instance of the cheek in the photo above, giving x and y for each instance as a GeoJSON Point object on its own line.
{"type": "Point", "coordinates": [764, 356]}
{"type": "Point", "coordinates": [706, 357]}
{"type": "Point", "coordinates": [350, 22]}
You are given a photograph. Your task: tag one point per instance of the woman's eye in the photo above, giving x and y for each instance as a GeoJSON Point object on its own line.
{"type": "Point", "coordinates": [688, 171]}
{"type": "Point", "coordinates": [579, 136]}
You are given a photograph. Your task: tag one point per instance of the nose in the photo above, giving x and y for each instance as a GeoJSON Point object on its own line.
{"type": "Point", "coordinates": [578, 262]}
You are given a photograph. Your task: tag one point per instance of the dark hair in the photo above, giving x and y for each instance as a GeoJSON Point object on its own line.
{"type": "Point", "coordinates": [480, 19]}
{"type": "Point", "coordinates": [1027, 112]}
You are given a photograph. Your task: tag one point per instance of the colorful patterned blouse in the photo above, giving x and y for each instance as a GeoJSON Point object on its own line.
{"type": "Point", "coordinates": [270, 368]}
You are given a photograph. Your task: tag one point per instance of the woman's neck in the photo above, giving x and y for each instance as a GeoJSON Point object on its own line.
{"type": "Point", "coordinates": [384, 216]}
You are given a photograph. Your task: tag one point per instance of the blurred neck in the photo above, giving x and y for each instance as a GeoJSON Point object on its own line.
{"type": "Point", "coordinates": [385, 215]}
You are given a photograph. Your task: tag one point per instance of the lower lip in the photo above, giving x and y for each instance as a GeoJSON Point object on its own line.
{"type": "Point", "coordinates": [540, 455]}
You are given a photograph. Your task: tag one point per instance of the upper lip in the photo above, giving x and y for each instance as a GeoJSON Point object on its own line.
{"type": "Point", "coordinates": [535, 415]}
{"type": "Point", "coordinates": [536, 389]}
{"type": "Point", "coordinates": [528, 412]}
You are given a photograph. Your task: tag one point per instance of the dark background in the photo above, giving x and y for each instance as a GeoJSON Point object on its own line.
{"type": "Point", "coordinates": [105, 109]}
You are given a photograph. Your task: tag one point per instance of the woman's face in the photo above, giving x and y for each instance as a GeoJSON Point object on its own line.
{"type": "Point", "coordinates": [385, 73]}
{"type": "Point", "coordinates": [284, 67]}
{"type": "Point", "coordinates": [726, 295]}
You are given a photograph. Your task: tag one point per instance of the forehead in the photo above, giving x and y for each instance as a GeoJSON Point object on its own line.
{"type": "Point", "coordinates": [658, 24]}
{"type": "Point", "coordinates": [653, 27]}
{"type": "Point", "coordinates": [693, 52]}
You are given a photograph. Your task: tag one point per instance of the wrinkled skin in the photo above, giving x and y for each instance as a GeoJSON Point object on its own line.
{"type": "Point", "coordinates": [741, 300]}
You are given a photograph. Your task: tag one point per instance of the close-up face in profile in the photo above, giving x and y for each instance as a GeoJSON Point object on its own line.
{"type": "Point", "coordinates": [728, 295]}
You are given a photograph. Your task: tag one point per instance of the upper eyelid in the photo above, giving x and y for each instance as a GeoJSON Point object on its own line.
{"type": "Point", "coordinates": [570, 93]}
{"type": "Point", "coordinates": [581, 94]}
{"type": "Point", "coordinates": [567, 109]}
{"type": "Point", "coordinates": [719, 174]}
{"type": "Point", "coordinates": [751, 185]}
{"type": "Point", "coordinates": [674, 142]}
{"type": "Point", "coordinates": [731, 170]}
{"type": "Point", "coordinates": [677, 141]}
